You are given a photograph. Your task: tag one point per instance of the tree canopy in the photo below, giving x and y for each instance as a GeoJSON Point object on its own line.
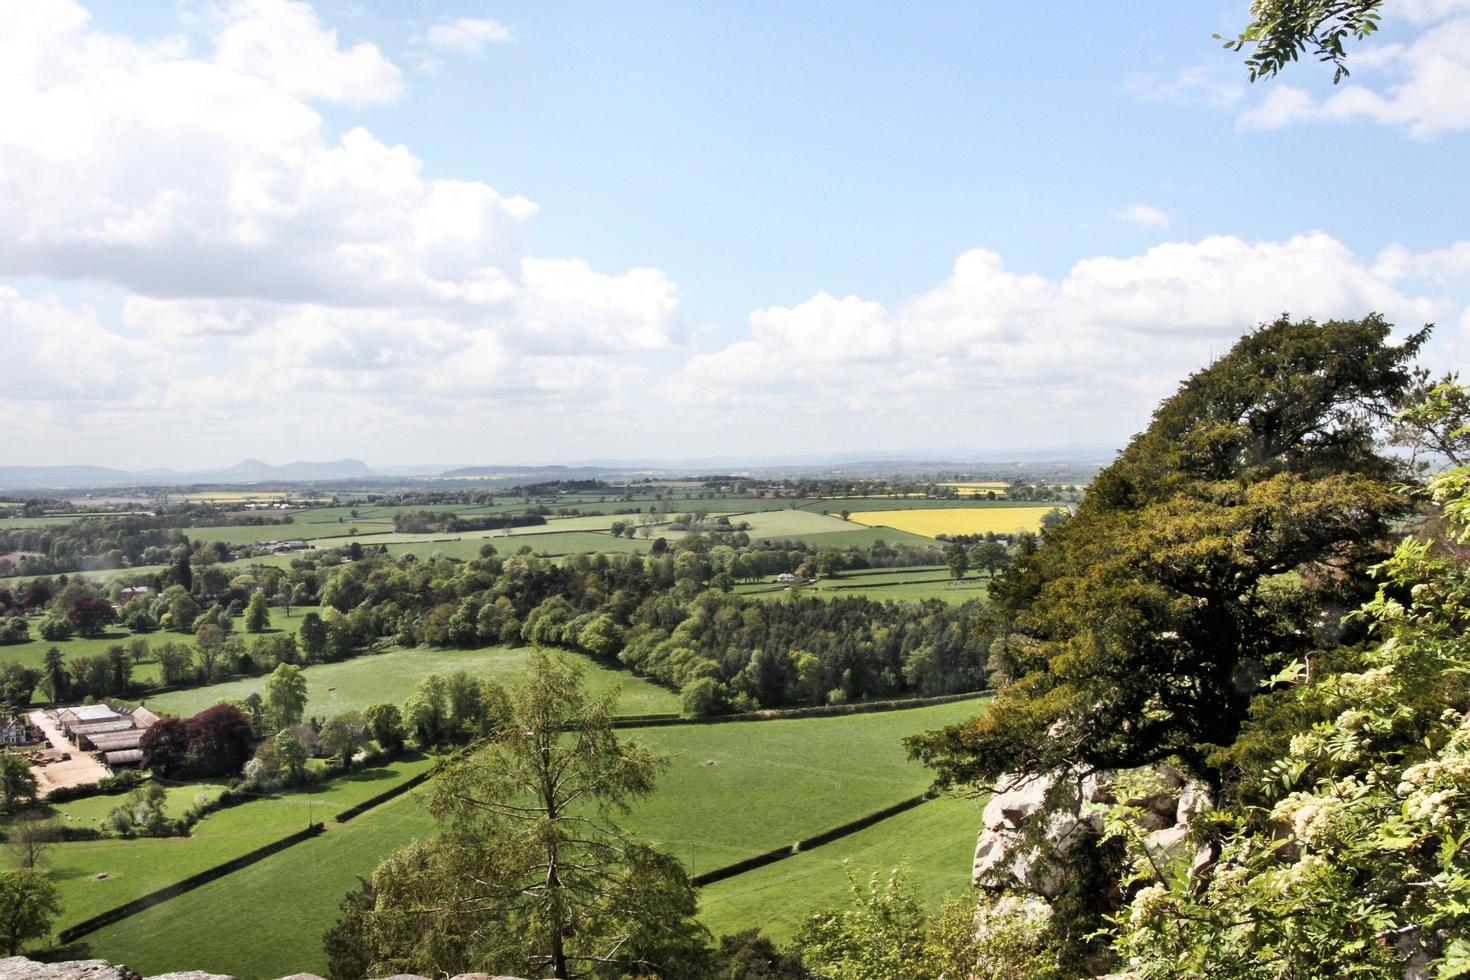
{"type": "Point", "coordinates": [529, 875]}
{"type": "Point", "coordinates": [1225, 541]}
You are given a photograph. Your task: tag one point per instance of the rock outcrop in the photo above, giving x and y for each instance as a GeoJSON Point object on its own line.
{"type": "Point", "coordinates": [1031, 822]}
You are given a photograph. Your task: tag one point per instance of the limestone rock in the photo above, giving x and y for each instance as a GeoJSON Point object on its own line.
{"type": "Point", "coordinates": [21, 968]}
{"type": "Point", "coordinates": [191, 975]}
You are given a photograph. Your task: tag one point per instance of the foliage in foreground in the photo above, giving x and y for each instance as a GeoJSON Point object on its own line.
{"type": "Point", "coordinates": [528, 874]}
{"type": "Point", "coordinates": [1359, 861]}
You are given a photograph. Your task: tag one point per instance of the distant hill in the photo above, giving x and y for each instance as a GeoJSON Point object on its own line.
{"type": "Point", "coordinates": [255, 471]}
{"type": "Point", "coordinates": [23, 477]}
{"type": "Point", "coordinates": [245, 471]}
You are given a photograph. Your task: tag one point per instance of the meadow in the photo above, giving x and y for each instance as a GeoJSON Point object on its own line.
{"type": "Point", "coordinates": [33, 653]}
{"type": "Point", "coordinates": [934, 843]}
{"type": "Point", "coordinates": [96, 875]}
{"type": "Point", "coordinates": [883, 584]}
{"type": "Point", "coordinates": [771, 782]}
{"type": "Point", "coordinates": [391, 677]}
{"type": "Point", "coordinates": [958, 520]}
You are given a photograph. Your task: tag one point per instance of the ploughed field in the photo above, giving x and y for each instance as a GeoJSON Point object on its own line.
{"type": "Point", "coordinates": [732, 790]}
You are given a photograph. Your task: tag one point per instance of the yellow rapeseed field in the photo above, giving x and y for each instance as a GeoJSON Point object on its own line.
{"type": "Point", "coordinates": [957, 520]}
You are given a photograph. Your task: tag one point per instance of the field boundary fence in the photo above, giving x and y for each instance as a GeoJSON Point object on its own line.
{"type": "Point", "coordinates": [807, 843]}
{"type": "Point", "coordinates": [818, 711]}
{"type": "Point", "coordinates": [144, 902]}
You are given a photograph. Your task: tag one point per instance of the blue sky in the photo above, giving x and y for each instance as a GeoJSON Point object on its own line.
{"type": "Point", "coordinates": [799, 187]}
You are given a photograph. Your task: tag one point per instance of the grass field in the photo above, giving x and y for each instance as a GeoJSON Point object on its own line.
{"type": "Point", "coordinates": [958, 520]}
{"type": "Point", "coordinates": [130, 868]}
{"type": "Point", "coordinates": [390, 677]}
{"type": "Point", "coordinates": [882, 584]}
{"type": "Point", "coordinates": [788, 524]}
{"type": "Point", "coordinates": [737, 789]}
{"type": "Point", "coordinates": [771, 782]}
{"type": "Point", "coordinates": [560, 543]}
{"type": "Point", "coordinates": [33, 653]}
{"type": "Point", "coordinates": [935, 842]}
{"type": "Point", "coordinates": [861, 537]}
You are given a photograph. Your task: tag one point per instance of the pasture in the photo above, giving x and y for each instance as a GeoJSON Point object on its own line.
{"type": "Point", "coordinates": [934, 843]}
{"type": "Point", "coordinates": [958, 520]}
{"type": "Point", "coordinates": [883, 584]}
{"type": "Point", "coordinates": [390, 677]}
{"type": "Point", "coordinates": [771, 782]}
{"type": "Point", "coordinates": [789, 524]}
{"type": "Point", "coordinates": [96, 875]}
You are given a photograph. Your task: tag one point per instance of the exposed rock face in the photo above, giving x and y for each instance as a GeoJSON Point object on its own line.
{"type": "Point", "coordinates": [20, 968]}
{"type": "Point", "coordinates": [1010, 854]}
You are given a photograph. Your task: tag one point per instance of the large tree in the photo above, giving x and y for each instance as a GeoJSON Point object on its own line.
{"type": "Point", "coordinates": [285, 697]}
{"type": "Point", "coordinates": [28, 904]}
{"type": "Point", "coordinates": [1224, 542]}
{"type": "Point", "coordinates": [529, 875]}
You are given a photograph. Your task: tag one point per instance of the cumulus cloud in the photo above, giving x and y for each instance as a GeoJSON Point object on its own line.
{"type": "Point", "coordinates": [466, 35]}
{"type": "Point", "coordinates": [1425, 81]}
{"type": "Point", "coordinates": [1143, 214]}
{"type": "Point", "coordinates": [1118, 331]}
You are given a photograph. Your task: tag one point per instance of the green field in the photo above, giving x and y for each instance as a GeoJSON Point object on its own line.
{"type": "Point", "coordinates": [934, 841]}
{"type": "Point", "coordinates": [861, 537]}
{"type": "Point", "coordinates": [739, 788]}
{"type": "Point", "coordinates": [131, 868]}
{"type": "Point", "coordinates": [390, 677]}
{"type": "Point", "coordinates": [790, 524]}
{"type": "Point", "coordinates": [882, 584]}
{"type": "Point", "coordinates": [855, 505]}
{"type": "Point", "coordinates": [560, 543]}
{"type": "Point", "coordinates": [33, 653]}
{"type": "Point", "coordinates": [771, 782]}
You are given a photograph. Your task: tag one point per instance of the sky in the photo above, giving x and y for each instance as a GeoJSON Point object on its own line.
{"type": "Point", "coordinates": [414, 232]}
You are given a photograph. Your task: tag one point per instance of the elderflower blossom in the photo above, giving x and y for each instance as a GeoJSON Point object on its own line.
{"type": "Point", "coordinates": [1148, 903]}
{"type": "Point", "coordinates": [1311, 817]}
{"type": "Point", "coordinates": [1305, 745]}
{"type": "Point", "coordinates": [1306, 873]}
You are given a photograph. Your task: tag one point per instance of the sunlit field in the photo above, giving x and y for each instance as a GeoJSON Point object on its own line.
{"type": "Point", "coordinates": [957, 520]}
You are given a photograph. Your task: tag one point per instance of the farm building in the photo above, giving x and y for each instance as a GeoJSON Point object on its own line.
{"type": "Point", "coordinates": [115, 733]}
{"type": "Point", "coordinates": [132, 592]}
{"type": "Point", "coordinates": [86, 714]}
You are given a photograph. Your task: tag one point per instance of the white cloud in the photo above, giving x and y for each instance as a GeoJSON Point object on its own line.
{"type": "Point", "coordinates": [1143, 214]}
{"type": "Point", "coordinates": [283, 43]}
{"type": "Point", "coordinates": [467, 35]}
{"type": "Point", "coordinates": [1002, 353]}
{"type": "Point", "coordinates": [1428, 81]}
{"type": "Point", "coordinates": [1196, 85]}
{"type": "Point", "coordinates": [57, 353]}
{"type": "Point", "coordinates": [186, 177]}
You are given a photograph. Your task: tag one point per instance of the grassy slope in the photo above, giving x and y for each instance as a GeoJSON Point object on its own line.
{"type": "Point", "coordinates": [773, 782]}
{"type": "Point", "coordinates": [136, 867]}
{"type": "Point", "coordinates": [390, 677]}
{"type": "Point", "coordinates": [935, 842]}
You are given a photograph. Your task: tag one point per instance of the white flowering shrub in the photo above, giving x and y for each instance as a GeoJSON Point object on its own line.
{"type": "Point", "coordinates": [1361, 864]}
